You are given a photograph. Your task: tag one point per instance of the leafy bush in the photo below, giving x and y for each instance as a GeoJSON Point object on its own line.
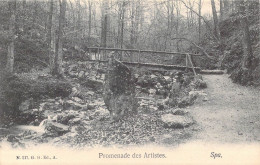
{"type": "Point", "coordinates": [17, 88]}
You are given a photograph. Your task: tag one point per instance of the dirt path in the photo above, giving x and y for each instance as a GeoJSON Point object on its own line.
{"type": "Point", "coordinates": [231, 114]}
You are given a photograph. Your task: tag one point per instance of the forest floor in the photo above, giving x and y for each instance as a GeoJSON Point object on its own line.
{"type": "Point", "coordinates": [231, 113]}
{"type": "Point", "coordinates": [224, 112]}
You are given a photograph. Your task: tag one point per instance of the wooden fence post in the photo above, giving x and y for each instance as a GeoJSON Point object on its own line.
{"type": "Point", "coordinates": [139, 57]}
{"type": "Point", "coordinates": [191, 64]}
{"type": "Point", "coordinates": [187, 61]}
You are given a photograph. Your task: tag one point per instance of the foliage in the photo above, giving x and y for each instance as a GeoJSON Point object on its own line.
{"type": "Point", "coordinates": [233, 46]}
{"type": "Point", "coordinates": [17, 88]}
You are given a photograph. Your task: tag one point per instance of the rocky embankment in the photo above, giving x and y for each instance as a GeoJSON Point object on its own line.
{"type": "Point", "coordinates": [82, 118]}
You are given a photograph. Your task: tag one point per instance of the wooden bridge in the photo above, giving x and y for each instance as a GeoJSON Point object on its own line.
{"type": "Point", "coordinates": [148, 58]}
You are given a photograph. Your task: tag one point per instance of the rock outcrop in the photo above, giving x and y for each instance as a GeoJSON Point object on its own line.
{"type": "Point", "coordinates": [119, 90]}
{"type": "Point", "coordinates": [176, 121]}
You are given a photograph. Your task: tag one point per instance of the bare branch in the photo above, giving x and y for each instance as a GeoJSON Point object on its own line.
{"type": "Point", "coordinates": [197, 46]}
{"type": "Point", "coordinates": [72, 32]}
{"type": "Point", "coordinates": [206, 22]}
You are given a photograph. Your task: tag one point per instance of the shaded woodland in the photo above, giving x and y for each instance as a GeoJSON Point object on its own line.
{"type": "Point", "coordinates": [47, 78]}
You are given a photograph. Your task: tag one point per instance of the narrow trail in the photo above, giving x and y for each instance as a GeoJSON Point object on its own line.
{"type": "Point", "coordinates": [231, 114]}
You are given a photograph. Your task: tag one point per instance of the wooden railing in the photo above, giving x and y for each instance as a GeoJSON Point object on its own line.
{"type": "Point", "coordinates": [100, 54]}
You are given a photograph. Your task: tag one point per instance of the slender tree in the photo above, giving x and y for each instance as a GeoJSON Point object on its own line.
{"type": "Point", "coordinates": [104, 23]}
{"type": "Point", "coordinates": [89, 18]}
{"type": "Point", "coordinates": [199, 19]}
{"type": "Point", "coordinates": [215, 18]}
{"type": "Point", "coordinates": [122, 24]}
{"type": "Point", "coordinates": [49, 35]}
{"type": "Point", "coordinates": [221, 8]}
{"type": "Point", "coordinates": [59, 44]}
{"type": "Point", "coordinates": [247, 45]}
{"type": "Point", "coordinates": [79, 19]}
{"type": "Point", "coordinates": [10, 55]}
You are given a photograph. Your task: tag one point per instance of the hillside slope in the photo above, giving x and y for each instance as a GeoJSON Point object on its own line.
{"type": "Point", "coordinates": [232, 35]}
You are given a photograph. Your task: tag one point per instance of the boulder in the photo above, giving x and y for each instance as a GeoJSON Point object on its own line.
{"type": "Point", "coordinates": [91, 106]}
{"type": "Point", "coordinates": [78, 100]}
{"type": "Point", "coordinates": [54, 129]}
{"type": "Point", "coordinates": [49, 106]}
{"type": "Point", "coordinates": [81, 74]}
{"type": "Point", "coordinates": [25, 105]}
{"type": "Point", "coordinates": [168, 79]}
{"type": "Point", "coordinates": [72, 68]}
{"type": "Point", "coordinates": [179, 112]}
{"type": "Point", "coordinates": [143, 81]}
{"type": "Point", "coordinates": [176, 121]}
{"type": "Point", "coordinates": [152, 91]}
{"type": "Point", "coordinates": [93, 84]}
{"type": "Point", "coordinates": [74, 121]}
{"type": "Point", "coordinates": [90, 93]}
{"type": "Point", "coordinates": [65, 119]}
{"type": "Point", "coordinates": [12, 138]}
{"type": "Point", "coordinates": [119, 90]}
{"type": "Point", "coordinates": [30, 116]}
{"type": "Point", "coordinates": [187, 100]}
{"type": "Point", "coordinates": [161, 106]}
{"type": "Point", "coordinates": [70, 104]}
{"type": "Point", "coordinates": [154, 77]}
{"type": "Point", "coordinates": [199, 82]}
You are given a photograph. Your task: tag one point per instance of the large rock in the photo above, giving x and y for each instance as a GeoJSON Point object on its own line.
{"type": "Point", "coordinates": [199, 82]}
{"type": "Point", "coordinates": [187, 100]}
{"type": "Point", "coordinates": [50, 105]}
{"type": "Point", "coordinates": [119, 90]}
{"type": "Point", "coordinates": [176, 121]}
{"type": "Point", "coordinates": [65, 118]}
{"type": "Point", "coordinates": [93, 84]}
{"type": "Point", "coordinates": [75, 121]}
{"type": "Point", "coordinates": [28, 115]}
{"type": "Point", "coordinates": [25, 105]}
{"type": "Point", "coordinates": [81, 74]}
{"type": "Point", "coordinates": [70, 104]}
{"type": "Point", "coordinates": [54, 129]}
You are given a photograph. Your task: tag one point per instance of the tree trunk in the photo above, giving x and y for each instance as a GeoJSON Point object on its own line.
{"type": "Point", "coordinates": [23, 14]}
{"type": "Point", "coordinates": [138, 23]}
{"type": "Point", "coordinates": [78, 19]}
{"type": "Point", "coordinates": [226, 6]}
{"type": "Point", "coordinates": [215, 18]}
{"type": "Point", "coordinates": [205, 21]}
{"type": "Point", "coordinates": [104, 32]}
{"type": "Point", "coordinates": [89, 19]}
{"type": "Point", "coordinates": [199, 21]}
{"type": "Point", "coordinates": [10, 55]}
{"type": "Point", "coordinates": [247, 48]}
{"type": "Point", "coordinates": [133, 16]}
{"type": "Point", "coordinates": [58, 54]}
{"type": "Point", "coordinates": [178, 9]}
{"type": "Point", "coordinates": [122, 25]}
{"type": "Point", "coordinates": [221, 6]}
{"type": "Point", "coordinates": [104, 22]}
{"type": "Point", "coordinates": [49, 36]}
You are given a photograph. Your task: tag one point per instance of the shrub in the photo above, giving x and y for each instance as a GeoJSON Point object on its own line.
{"type": "Point", "coordinates": [17, 88]}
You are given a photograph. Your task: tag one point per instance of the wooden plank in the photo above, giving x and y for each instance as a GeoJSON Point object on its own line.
{"type": "Point", "coordinates": [212, 72]}
{"type": "Point", "coordinates": [144, 51]}
{"type": "Point", "coordinates": [167, 67]}
{"type": "Point", "coordinates": [154, 65]}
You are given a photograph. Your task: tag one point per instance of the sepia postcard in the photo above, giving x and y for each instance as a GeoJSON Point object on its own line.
{"type": "Point", "coordinates": [92, 82]}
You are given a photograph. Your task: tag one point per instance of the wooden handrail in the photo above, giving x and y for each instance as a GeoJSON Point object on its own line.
{"type": "Point", "coordinates": [192, 66]}
{"type": "Point", "coordinates": [143, 51]}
